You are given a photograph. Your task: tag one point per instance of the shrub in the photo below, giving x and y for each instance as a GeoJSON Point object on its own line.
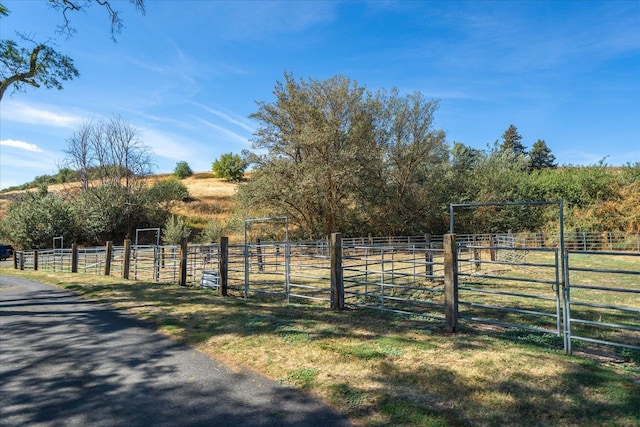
{"type": "Point", "coordinates": [230, 167]}
{"type": "Point", "coordinates": [182, 170]}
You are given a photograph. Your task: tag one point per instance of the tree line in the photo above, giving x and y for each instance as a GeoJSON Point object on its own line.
{"type": "Point", "coordinates": [333, 156]}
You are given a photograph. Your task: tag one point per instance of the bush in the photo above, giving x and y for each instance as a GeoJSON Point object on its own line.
{"type": "Point", "coordinates": [174, 231]}
{"type": "Point", "coordinates": [182, 170]}
{"type": "Point", "coordinates": [230, 167]}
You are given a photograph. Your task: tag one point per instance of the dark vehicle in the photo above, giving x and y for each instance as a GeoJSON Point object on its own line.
{"type": "Point", "coordinates": [6, 251]}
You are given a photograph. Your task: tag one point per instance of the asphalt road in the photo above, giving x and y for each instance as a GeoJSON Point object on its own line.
{"type": "Point", "coordinates": [68, 362]}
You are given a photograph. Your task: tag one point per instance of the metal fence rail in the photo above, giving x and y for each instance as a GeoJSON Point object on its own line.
{"type": "Point", "coordinates": [236, 267]}
{"type": "Point", "coordinates": [310, 271]}
{"type": "Point", "coordinates": [511, 293]}
{"type": "Point", "coordinates": [406, 280]}
{"type": "Point", "coordinates": [602, 305]}
{"type": "Point", "coordinates": [504, 279]}
{"type": "Point", "coordinates": [200, 259]}
{"type": "Point", "coordinates": [91, 260]}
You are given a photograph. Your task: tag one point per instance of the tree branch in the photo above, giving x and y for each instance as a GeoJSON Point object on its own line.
{"type": "Point", "coordinates": [26, 77]}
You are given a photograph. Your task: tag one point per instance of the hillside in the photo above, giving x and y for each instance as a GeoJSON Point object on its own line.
{"type": "Point", "coordinates": [210, 198]}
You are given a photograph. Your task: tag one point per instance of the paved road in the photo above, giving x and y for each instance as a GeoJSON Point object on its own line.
{"type": "Point", "coordinates": [67, 362]}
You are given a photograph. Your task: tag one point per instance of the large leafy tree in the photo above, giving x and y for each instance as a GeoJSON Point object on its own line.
{"type": "Point", "coordinates": [414, 158]}
{"type": "Point", "coordinates": [38, 64]}
{"type": "Point", "coordinates": [319, 142]}
{"type": "Point", "coordinates": [229, 166]}
{"type": "Point", "coordinates": [334, 157]}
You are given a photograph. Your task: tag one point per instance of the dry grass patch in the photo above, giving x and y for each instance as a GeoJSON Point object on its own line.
{"type": "Point", "coordinates": [383, 369]}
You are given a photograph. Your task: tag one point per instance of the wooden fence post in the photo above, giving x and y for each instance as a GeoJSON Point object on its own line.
{"type": "Point", "coordinates": [74, 257]}
{"type": "Point", "coordinates": [428, 256]}
{"type": "Point", "coordinates": [337, 285]}
{"type": "Point", "coordinates": [492, 249]}
{"type": "Point", "coordinates": [450, 282]}
{"type": "Point", "coordinates": [183, 262]}
{"type": "Point", "coordinates": [126, 259]}
{"type": "Point", "coordinates": [35, 260]}
{"type": "Point", "coordinates": [223, 267]}
{"type": "Point", "coordinates": [259, 252]}
{"type": "Point", "coordinates": [108, 253]}
{"type": "Point", "coordinates": [476, 252]}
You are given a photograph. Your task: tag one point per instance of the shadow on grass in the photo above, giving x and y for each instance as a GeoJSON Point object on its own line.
{"type": "Point", "coordinates": [422, 394]}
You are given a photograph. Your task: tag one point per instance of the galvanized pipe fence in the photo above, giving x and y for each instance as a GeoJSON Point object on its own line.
{"type": "Point", "coordinates": [579, 296]}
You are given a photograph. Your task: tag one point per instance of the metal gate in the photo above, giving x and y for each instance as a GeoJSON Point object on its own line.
{"type": "Point", "coordinates": [511, 286]}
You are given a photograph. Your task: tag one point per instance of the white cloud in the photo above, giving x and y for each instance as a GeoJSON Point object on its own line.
{"type": "Point", "coordinates": [20, 144]}
{"type": "Point", "coordinates": [226, 132]}
{"type": "Point", "coordinates": [23, 113]}
{"type": "Point", "coordinates": [227, 117]}
{"type": "Point", "coordinates": [167, 145]}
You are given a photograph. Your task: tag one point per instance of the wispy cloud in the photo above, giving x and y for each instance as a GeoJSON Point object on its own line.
{"type": "Point", "coordinates": [167, 145]}
{"type": "Point", "coordinates": [43, 116]}
{"type": "Point", "coordinates": [226, 117]}
{"type": "Point", "coordinates": [263, 19]}
{"type": "Point", "coordinates": [224, 131]}
{"type": "Point", "coordinates": [20, 144]}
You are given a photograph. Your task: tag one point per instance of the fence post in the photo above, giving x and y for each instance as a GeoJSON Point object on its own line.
{"type": "Point", "coordinates": [492, 249]}
{"type": "Point", "coordinates": [107, 258]}
{"type": "Point", "coordinates": [183, 262]}
{"type": "Point", "coordinates": [74, 257]}
{"type": "Point", "coordinates": [126, 259]}
{"type": "Point", "coordinates": [476, 252]}
{"type": "Point", "coordinates": [451, 282]}
{"type": "Point", "coordinates": [21, 260]}
{"type": "Point", "coordinates": [337, 285]}
{"type": "Point", "coordinates": [259, 252]}
{"type": "Point", "coordinates": [428, 255]}
{"type": "Point", "coordinates": [223, 267]}
{"type": "Point", "coordinates": [35, 260]}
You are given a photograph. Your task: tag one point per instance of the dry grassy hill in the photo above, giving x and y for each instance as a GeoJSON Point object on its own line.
{"type": "Point", "coordinates": [210, 198]}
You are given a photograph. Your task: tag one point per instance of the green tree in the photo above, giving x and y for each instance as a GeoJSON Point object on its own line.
{"type": "Point", "coordinates": [464, 157]}
{"type": "Point", "coordinates": [166, 193]}
{"type": "Point", "coordinates": [230, 167]}
{"type": "Point", "coordinates": [182, 170]}
{"type": "Point", "coordinates": [212, 231]}
{"type": "Point", "coordinates": [319, 143]}
{"type": "Point", "coordinates": [39, 64]}
{"type": "Point", "coordinates": [336, 157]}
{"type": "Point", "coordinates": [414, 158]}
{"type": "Point", "coordinates": [512, 142]}
{"type": "Point", "coordinates": [36, 218]}
{"type": "Point", "coordinates": [540, 156]}
{"type": "Point", "coordinates": [174, 231]}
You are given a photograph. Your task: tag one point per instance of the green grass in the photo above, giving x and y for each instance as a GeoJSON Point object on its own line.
{"type": "Point", "coordinates": [382, 369]}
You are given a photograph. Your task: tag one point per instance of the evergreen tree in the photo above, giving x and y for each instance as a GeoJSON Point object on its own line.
{"type": "Point", "coordinates": [512, 141]}
{"type": "Point", "coordinates": [540, 156]}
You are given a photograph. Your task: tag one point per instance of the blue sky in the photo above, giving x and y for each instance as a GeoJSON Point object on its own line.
{"type": "Point", "coordinates": [188, 73]}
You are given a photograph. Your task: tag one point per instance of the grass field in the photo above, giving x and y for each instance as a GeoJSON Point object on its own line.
{"type": "Point", "coordinates": [383, 369]}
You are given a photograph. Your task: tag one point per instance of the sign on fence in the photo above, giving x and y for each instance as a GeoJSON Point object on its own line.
{"type": "Point", "coordinates": [209, 280]}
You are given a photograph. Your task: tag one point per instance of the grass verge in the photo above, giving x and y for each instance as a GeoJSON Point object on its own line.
{"type": "Point", "coordinates": [382, 369]}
